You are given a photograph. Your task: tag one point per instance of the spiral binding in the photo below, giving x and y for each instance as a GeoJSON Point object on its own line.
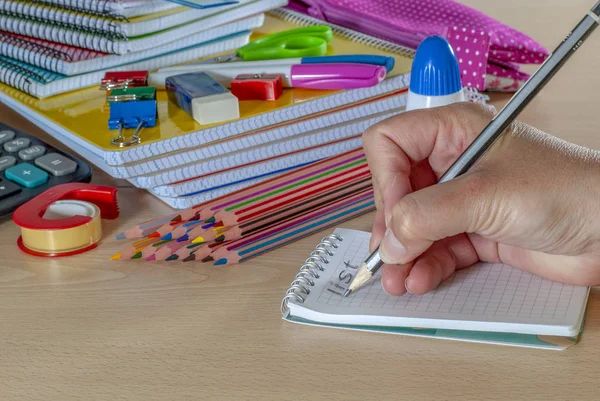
{"type": "Point", "coordinates": [100, 7]}
{"type": "Point", "coordinates": [309, 271]}
{"type": "Point", "coordinates": [357, 37]}
{"type": "Point", "coordinates": [31, 52]}
{"type": "Point", "coordinates": [102, 24]}
{"type": "Point", "coordinates": [16, 76]}
{"type": "Point", "coordinates": [75, 37]}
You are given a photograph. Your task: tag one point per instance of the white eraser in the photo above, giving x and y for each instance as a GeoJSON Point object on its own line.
{"type": "Point", "coordinates": [215, 108]}
{"type": "Point", "coordinates": [203, 98]}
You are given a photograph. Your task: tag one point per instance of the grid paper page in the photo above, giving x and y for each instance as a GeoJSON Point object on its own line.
{"type": "Point", "coordinates": [483, 293]}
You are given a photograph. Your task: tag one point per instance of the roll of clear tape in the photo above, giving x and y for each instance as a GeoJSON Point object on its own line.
{"type": "Point", "coordinates": [69, 240]}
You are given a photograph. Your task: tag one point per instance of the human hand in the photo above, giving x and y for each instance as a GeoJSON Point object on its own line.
{"type": "Point", "coordinates": [532, 202]}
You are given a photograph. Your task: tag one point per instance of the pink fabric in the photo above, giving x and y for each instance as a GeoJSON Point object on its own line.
{"type": "Point", "coordinates": [483, 45]}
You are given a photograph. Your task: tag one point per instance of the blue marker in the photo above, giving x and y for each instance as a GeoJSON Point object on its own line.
{"type": "Point", "coordinates": [435, 76]}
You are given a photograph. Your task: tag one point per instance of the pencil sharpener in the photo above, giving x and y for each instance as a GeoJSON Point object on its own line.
{"type": "Point", "coordinates": [257, 86]}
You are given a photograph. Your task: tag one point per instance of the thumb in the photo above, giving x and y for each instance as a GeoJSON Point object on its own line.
{"type": "Point", "coordinates": [434, 213]}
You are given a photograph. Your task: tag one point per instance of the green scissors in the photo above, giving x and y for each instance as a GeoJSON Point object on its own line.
{"type": "Point", "coordinates": [294, 43]}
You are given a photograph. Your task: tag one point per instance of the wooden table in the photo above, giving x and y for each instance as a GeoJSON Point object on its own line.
{"type": "Point", "coordinates": [82, 328]}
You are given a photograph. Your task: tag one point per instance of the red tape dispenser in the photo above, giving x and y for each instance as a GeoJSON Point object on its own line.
{"type": "Point", "coordinates": [257, 86]}
{"type": "Point", "coordinates": [65, 220]}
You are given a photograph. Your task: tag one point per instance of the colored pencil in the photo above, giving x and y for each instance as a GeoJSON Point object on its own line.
{"type": "Point", "coordinates": [263, 204]}
{"type": "Point", "coordinates": [293, 234]}
{"type": "Point", "coordinates": [304, 219]}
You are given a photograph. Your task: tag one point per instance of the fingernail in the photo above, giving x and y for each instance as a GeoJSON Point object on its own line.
{"type": "Point", "coordinates": [392, 251]}
{"type": "Point", "coordinates": [406, 285]}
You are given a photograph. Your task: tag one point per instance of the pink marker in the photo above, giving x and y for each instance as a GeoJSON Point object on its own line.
{"type": "Point", "coordinates": [326, 76]}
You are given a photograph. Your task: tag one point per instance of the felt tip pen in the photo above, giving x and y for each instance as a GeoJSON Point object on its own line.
{"type": "Point", "coordinates": [500, 122]}
{"type": "Point", "coordinates": [374, 59]}
{"type": "Point", "coordinates": [314, 76]}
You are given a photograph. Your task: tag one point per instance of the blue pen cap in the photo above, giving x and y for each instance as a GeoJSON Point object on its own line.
{"type": "Point", "coordinates": [435, 70]}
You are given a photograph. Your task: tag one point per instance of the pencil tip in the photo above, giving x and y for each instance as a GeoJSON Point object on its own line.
{"type": "Point", "coordinates": [348, 292]}
{"type": "Point", "coordinates": [207, 259]}
{"type": "Point", "coordinates": [210, 220]}
{"type": "Point", "coordinates": [190, 258]}
{"type": "Point", "coordinates": [176, 218]}
{"type": "Point", "coordinates": [154, 235]}
{"type": "Point", "coordinates": [120, 236]}
{"type": "Point", "coordinates": [150, 258]}
{"type": "Point", "coordinates": [116, 256]}
{"type": "Point", "coordinates": [166, 237]}
{"type": "Point", "coordinates": [137, 255]}
{"type": "Point", "coordinates": [173, 257]}
{"type": "Point", "coordinates": [183, 238]}
{"type": "Point", "coordinates": [221, 261]}
{"type": "Point", "coordinates": [197, 240]}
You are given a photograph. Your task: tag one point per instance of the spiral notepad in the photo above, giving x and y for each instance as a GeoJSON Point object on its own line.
{"type": "Point", "coordinates": [490, 303]}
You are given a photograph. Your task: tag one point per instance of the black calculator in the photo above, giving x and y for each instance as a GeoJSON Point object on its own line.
{"type": "Point", "coordinates": [29, 166]}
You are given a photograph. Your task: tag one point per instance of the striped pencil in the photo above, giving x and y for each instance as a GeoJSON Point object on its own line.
{"type": "Point", "coordinates": [296, 210]}
{"type": "Point", "coordinates": [208, 209]}
{"type": "Point", "coordinates": [292, 234]}
{"type": "Point", "coordinates": [332, 209]}
{"type": "Point", "coordinates": [259, 206]}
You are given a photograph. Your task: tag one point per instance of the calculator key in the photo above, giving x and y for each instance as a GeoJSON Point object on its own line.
{"type": "Point", "coordinates": [56, 164]}
{"type": "Point", "coordinates": [6, 135]}
{"type": "Point", "coordinates": [7, 189]}
{"type": "Point", "coordinates": [32, 152]}
{"type": "Point", "coordinates": [6, 162]}
{"type": "Point", "coordinates": [16, 144]}
{"type": "Point", "coordinates": [27, 175]}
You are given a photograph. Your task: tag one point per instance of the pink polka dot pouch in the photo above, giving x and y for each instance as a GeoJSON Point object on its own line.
{"type": "Point", "coordinates": [489, 52]}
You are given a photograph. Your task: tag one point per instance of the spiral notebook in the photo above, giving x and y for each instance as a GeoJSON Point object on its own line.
{"type": "Point", "coordinates": [487, 303]}
{"type": "Point", "coordinates": [122, 8]}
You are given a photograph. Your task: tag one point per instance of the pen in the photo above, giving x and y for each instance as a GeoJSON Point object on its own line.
{"type": "Point", "coordinates": [374, 59]}
{"type": "Point", "coordinates": [315, 76]}
{"type": "Point", "coordinates": [500, 122]}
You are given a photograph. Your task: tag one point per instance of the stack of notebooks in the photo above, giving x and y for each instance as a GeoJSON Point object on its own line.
{"type": "Point", "coordinates": [184, 163]}
{"type": "Point", "coordinates": [50, 47]}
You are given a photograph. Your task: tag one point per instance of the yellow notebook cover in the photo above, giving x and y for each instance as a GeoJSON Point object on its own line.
{"type": "Point", "coordinates": [82, 116]}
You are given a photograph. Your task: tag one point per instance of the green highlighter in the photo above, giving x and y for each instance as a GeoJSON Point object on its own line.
{"type": "Point", "coordinates": [132, 94]}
